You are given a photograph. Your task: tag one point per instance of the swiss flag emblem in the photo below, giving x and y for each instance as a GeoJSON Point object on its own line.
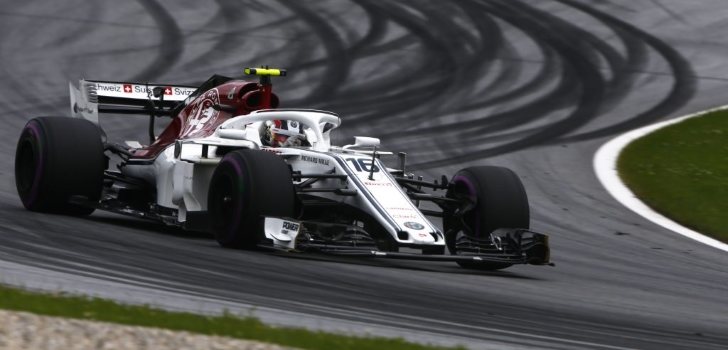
{"type": "Point", "coordinates": [127, 88]}
{"type": "Point", "coordinates": [168, 90]}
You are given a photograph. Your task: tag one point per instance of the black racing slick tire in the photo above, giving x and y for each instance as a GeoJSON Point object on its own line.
{"type": "Point", "coordinates": [57, 158]}
{"type": "Point", "coordinates": [500, 202]}
{"type": "Point", "coordinates": [246, 186]}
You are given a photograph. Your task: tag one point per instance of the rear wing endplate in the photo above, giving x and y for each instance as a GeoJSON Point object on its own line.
{"type": "Point", "coordinates": [93, 97]}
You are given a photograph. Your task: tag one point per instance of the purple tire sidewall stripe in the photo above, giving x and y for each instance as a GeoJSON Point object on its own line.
{"type": "Point", "coordinates": [34, 129]}
{"type": "Point", "coordinates": [473, 195]}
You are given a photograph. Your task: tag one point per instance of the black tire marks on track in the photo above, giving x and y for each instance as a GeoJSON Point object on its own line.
{"type": "Point", "coordinates": [582, 85]}
{"type": "Point", "coordinates": [336, 60]}
{"type": "Point", "coordinates": [683, 87]}
{"type": "Point", "coordinates": [434, 81]}
{"type": "Point", "coordinates": [171, 43]}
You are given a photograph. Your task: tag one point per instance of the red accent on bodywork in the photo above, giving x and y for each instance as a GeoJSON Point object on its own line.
{"type": "Point", "coordinates": [199, 119]}
{"type": "Point", "coordinates": [267, 93]}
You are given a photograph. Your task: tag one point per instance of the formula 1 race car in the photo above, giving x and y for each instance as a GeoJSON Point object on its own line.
{"type": "Point", "coordinates": [231, 163]}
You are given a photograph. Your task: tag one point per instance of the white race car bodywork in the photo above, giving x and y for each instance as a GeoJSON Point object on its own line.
{"type": "Point", "coordinates": [210, 171]}
{"type": "Point", "coordinates": [183, 171]}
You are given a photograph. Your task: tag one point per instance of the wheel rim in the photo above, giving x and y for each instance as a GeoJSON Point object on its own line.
{"type": "Point", "coordinates": [464, 188]}
{"type": "Point", "coordinates": [227, 208]}
{"type": "Point", "coordinates": [27, 167]}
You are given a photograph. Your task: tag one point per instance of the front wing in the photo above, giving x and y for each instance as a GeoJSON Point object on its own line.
{"type": "Point", "coordinates": [514, 246]}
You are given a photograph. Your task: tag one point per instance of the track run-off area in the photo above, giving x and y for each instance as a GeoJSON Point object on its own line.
{"type": "Point", "coordinates": [605, 166]}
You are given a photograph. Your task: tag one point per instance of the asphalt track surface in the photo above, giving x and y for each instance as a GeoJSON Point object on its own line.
{"type": "Point", "coordinates": [536, 86]}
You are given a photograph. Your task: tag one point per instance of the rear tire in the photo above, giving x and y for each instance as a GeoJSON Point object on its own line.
{"type": "Point", "coordinates": [247, 185]}
{"type": "Point", "coordinates": [500, 202]}
{"type": "Point", "coordinates": [56, 158]}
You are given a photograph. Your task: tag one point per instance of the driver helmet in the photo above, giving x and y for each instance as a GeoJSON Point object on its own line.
{"type": "Point", "coordinates": [284, 133]}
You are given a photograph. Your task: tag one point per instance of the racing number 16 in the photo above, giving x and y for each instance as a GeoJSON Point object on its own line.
{"type": "Point", "coordinates": [362, 164]}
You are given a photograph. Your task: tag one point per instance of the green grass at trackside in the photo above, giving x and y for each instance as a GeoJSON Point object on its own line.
{"type": "Point", "coordinates": [227, 325]}
{"type": "Point", "coordinates": [681, 171]}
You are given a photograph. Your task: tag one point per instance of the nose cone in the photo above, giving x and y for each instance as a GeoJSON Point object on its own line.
{"type": "Point", "coordinates": [421, 236]}
{"type": "Point", "coordinates": [418, 233]}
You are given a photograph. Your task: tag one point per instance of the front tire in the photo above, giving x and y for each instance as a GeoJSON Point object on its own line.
{"type": "Point", "coordinates": [246, 186]}
{"type": "Point", "coordinates": [56, 158]}
{"type": "Point", "coordinates": [499, 200]}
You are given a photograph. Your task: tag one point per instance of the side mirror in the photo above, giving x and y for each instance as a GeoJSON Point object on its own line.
{"type": "Point", "coordinates": [363, 141]}
{"type": "Point", "coordinates": [233, 134]}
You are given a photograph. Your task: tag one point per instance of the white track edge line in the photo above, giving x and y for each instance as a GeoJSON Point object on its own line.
{"type": "Point", "coordinates": [605, 166]}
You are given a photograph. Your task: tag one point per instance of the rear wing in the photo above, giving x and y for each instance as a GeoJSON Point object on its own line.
{"type": "Point", "coordinates": [93, 97]}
